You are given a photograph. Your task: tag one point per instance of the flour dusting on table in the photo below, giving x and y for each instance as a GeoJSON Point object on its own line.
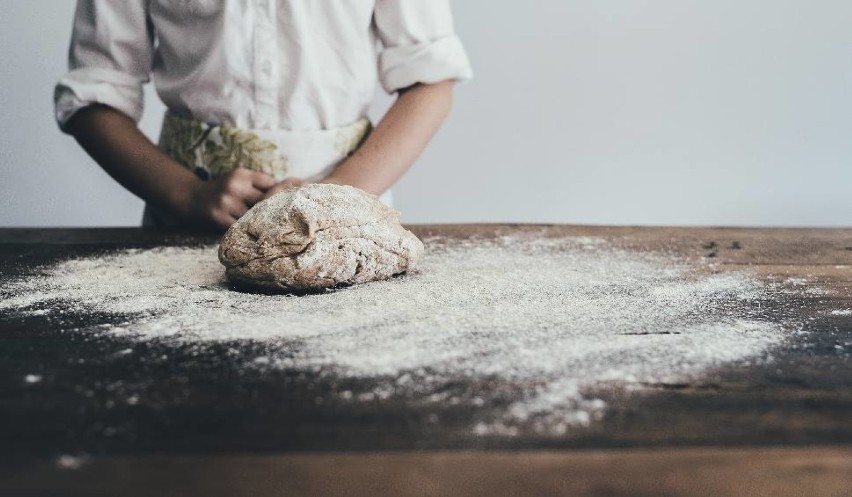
{"type": "Point", "coordinates": [554, 319]}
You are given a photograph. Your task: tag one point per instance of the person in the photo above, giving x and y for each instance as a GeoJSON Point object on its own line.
{"type": "Point", "coordinates": [261, 95]}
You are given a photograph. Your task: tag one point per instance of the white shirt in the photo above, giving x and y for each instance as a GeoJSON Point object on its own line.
{"type": "Point", "coordinates": [262, 64]}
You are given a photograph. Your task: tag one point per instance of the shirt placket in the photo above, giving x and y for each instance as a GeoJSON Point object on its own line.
{"type": "Point", "coordinates": [265, 65]}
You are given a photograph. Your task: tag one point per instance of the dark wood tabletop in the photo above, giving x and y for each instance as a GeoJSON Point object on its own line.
{"type": "Point", "coordinates": [782, 428]}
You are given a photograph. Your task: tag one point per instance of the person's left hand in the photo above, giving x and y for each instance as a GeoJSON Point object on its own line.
{"type": "Point", "coordinates": [283, 185]}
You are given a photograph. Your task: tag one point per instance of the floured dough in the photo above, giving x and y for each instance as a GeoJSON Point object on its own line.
{"type": "Point", "coordinates": [317, 236]}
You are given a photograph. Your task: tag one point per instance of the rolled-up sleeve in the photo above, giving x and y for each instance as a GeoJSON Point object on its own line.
{"type": "Point", "coordinates": [419, 43]}
{"type": "Point", "coordinates": [109, 59]}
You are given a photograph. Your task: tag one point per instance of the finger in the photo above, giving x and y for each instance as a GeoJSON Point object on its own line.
{"type": "Point", "coordinates": [262, 181]}
{"type": "Point", "coordinates": [283, 185]}
{"type": "Point", "coordinates": [243, 188]}
{"type": "Point", "coordinates": [234, 206]}
{"type": "Point", "coordinates": [275, 189]}
{"type": "Point", "coordinates": [236, 174]}
{"type": "Point", "coordinates": [242, 175]}
{"type": "Point", "coordinates": [223, 220]}
{"type": "Point", "coordinates": [252, 196]}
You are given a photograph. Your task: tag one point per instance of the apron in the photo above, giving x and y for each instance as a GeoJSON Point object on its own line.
{"type": "Point", "coordinates": [211, 151]}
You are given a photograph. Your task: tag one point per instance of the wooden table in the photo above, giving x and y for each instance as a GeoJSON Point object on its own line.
{"type": "Point", "coordinates": [778, 429]}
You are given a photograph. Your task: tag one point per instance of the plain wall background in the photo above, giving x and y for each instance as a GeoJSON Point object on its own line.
{"type": "Point", "coordinates": [690, 112]}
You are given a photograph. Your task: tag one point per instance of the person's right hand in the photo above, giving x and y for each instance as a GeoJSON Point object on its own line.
{"type": "Point", "coordinates": [283, 185]}
{"type": "Point", "coordinates": [222, 201]}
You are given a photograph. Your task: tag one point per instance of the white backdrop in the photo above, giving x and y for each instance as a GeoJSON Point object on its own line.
{"type": "Point", "coordinates": [693, 112]}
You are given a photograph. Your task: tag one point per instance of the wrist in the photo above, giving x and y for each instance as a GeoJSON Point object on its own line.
{"type": "Point", "coordinates": [332, 179]}
{"type": "Point", "coordinates": [180, 194]}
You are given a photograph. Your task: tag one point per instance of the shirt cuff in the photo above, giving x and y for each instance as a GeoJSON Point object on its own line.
{"type": "Point", "coordinates": [84, 87]}
{"type": "Point", "coordinates": [428, 62]}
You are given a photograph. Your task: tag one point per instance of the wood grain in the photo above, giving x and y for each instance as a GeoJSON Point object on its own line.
{"type": "Point", "coordinates": [689, 472]}
{"type": "Point", "coordinates": [779, 428]}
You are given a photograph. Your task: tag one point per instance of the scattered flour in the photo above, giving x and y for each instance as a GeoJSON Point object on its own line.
{"type": "Point", "coordinates": [32, 378]}
{"type": "Point", "coordinates": [67, 461]}
{"type": "Point", "coordinates": [557, 318]}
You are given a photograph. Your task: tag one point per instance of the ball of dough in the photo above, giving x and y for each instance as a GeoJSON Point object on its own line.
{"type": "Point", "coordinates": [317, 236]}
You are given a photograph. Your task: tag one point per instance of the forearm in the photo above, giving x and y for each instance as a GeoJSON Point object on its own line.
{"type": "Point", "coordinates": [398, 139]}
{"type": "Point", "coordinates": [125, 153]}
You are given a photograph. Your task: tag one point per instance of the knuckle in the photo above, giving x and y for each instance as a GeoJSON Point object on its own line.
{"type": "Point", "coordinates": [232, 186]}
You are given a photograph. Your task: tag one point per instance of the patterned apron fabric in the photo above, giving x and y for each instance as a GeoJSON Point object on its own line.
{"type": "Point", "coordinates": [214, 150]}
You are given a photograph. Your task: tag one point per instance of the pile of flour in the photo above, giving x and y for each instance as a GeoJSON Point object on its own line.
{"type": "Point", "coordinates": [556, 318]}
